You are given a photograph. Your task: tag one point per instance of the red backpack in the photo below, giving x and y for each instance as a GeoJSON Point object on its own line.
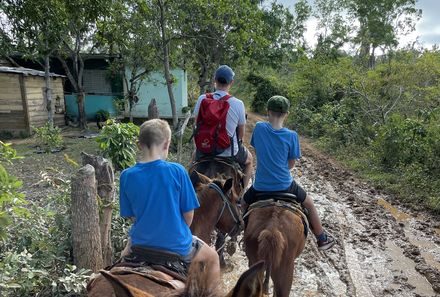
{"type": "Point", "coordinates": [211, 136]}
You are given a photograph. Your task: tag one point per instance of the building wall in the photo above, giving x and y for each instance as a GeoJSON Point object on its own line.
{"type": "Point", "coordinates": [12, 116]}
{"type": "Point", "coordinates": [36, 103]}
{"type": "Point", "coordinates": [155, 87]}
{"type": "Point", "coordinates": [13, 107]}
{"type": "Point", "coordinates": [92, 104]}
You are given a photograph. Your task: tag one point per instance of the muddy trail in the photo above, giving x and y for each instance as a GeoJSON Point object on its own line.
{"type": "Point", "coordinates": [383, 248]}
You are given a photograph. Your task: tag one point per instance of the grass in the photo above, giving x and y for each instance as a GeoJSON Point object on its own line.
{"type": "Point", "coordinates": [410, 184]}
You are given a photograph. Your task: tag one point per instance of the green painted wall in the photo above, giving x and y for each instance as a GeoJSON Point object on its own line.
{"type": "Point", "coordinates": [154, 87]}
{"type": "Point", "coordinates": [93, 103]}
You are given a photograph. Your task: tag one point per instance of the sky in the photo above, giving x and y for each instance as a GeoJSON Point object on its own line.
{"type": "Point", "coordinates": [427, 28]}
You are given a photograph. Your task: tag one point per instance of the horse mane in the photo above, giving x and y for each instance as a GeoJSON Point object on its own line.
{"type": "Point", "coordinates": [199, 283]}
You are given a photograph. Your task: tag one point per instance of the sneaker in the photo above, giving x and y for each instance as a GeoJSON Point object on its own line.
{"type": "Point", "coordinates": [325, 242]}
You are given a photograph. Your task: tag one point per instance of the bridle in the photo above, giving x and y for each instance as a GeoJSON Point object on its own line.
{"type": "Point", "coordinates": [232, 210]}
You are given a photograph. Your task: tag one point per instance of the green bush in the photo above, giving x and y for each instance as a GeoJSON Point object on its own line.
{"type": "Point", "coordinates": [265, 88]}
{"type": "Point", "coordinates": [102, 115]}
{"type": "Point", "coordinates": [11, 200]}
{"type": "Point", "coordinates": [36, 256]}
{"type": "Point", "coordinates": [49, 137]}
{"type": "Point", "coordinates": [118, 142]}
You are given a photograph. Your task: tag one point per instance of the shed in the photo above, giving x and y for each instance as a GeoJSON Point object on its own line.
{"type": "Point", "coordinates": [22, 103]}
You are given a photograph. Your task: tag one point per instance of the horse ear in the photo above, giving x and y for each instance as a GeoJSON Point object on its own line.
{"type": "Point", "coordinates": [195, 178]}
{"type": "Point", "coordinates": [250, 283]}
{"type": "Point", "coordinates": [228, 185]}
{"type": "Point", "coordinates": [198, 178]}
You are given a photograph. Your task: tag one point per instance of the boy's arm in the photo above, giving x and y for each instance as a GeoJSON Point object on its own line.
{"type": "Point", "coordinates": [188, 216]}
{"type": "Point", "coordinates": [291, 163]}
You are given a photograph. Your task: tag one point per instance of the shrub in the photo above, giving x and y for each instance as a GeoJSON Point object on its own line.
{"type": "Point", "coordinates": [11, 200]}
{"type": "Point", "coordinates": [102, 115]}
{"type": "Point", "coordinates": [265, 88]}
{"type": "Point", "coordinates": [118, 142]}
{"type": "Point", "coordinates": [36, 257]}
{"type": "Point", "coordinates": [49, 137]}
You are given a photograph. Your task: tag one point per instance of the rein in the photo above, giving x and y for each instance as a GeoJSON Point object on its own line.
{"type": "Point", "coordinates": [232, 210]}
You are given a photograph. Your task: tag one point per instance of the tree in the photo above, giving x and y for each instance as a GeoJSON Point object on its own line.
{"type": "Point", "coordinates": [380, 22]}
{"type": "Point", "coordinates": [334, 29]}
{"type": "Point", "coordinates": [216, 32]}
{"type": "Point", "coordinates": [34, 27]}
{"type": "Point", "coordinates": [79, 39]}
{"type": "Point", "coordinates": [165, 32]}
{"type": "Point", "coordinates": [128, 33]}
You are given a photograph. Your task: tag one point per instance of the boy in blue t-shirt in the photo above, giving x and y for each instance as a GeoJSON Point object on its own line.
{"type": "Point", "coordinates": [160, 198]}
{"type": "Point", "coordinates": [276, 149]}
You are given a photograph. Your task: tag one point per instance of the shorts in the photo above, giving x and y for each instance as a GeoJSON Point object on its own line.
{"type": "Point", "coordinates": [251, 194]}
{"type": "Point", "coordinates": [195, 248]}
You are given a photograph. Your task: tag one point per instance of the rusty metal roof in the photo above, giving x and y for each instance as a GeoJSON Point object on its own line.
{"type": "Point", "coordinates": [26, 71]}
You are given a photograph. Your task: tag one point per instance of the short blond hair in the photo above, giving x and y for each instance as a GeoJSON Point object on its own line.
{"type": "Point", "coordinates": [154, 132]}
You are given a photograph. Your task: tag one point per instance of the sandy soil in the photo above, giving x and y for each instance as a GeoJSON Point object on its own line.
{"type": "Point", "coordinates": [383, 248]}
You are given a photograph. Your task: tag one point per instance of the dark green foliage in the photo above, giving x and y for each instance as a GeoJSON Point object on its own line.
{"type": "Point", "coordinates": [102, 115]}
{"type": "Point", "coordinates": [384, 120]}
{"type": "Point", "coordinates": [265, 88]}
{"type": "Point", "coordinates": [118, 142]}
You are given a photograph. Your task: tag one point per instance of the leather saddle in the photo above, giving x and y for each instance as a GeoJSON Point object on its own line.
{"type": "Point", "coordinates": [283, 200]}
{"type": "Point", "coordinates": [167, 262]}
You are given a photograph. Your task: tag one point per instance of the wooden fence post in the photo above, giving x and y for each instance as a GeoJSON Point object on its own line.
{"type": "Point", "coordinates": [86, 237]}
{"type": "Point", "coordinates": [180, 136]}
{"type": "Point", "coordinates": [105, 179]}
{"type": "Point", "coordinates": [153, 112]}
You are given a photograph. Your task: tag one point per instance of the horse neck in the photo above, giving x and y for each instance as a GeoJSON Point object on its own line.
{"type": "Point", "coordinates": [206, 216]}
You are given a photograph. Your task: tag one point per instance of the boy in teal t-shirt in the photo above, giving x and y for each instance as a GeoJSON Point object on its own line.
{"type": "Point", "coordinates": [160, 198]}
{"type": "Point", "coordinates": [277, 148]}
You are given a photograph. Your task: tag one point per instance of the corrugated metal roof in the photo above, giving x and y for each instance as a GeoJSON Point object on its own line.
{"type": "Point", "coordinates": [26, 71]}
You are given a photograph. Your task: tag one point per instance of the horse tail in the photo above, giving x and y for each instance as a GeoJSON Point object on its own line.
{"type": "Point", "coordinates": [271, 245]}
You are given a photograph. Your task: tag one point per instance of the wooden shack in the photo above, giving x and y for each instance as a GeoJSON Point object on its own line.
{"type": "Point", "coordinates": [22, 103]}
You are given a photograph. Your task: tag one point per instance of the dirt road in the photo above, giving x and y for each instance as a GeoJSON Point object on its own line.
{"type": "Point", "coordinates": [383, 248]}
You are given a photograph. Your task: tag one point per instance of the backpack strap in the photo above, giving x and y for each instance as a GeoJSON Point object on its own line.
{"type": "Point", "coordinates": [225, 97]}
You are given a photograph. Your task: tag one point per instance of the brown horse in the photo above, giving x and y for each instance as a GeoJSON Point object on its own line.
{"type": "Point", "coordinates": [198, 284]}
{"type": "Point", "coordinates": [218, 189]}
{"type": "Point", "coordinates": [276, 235]}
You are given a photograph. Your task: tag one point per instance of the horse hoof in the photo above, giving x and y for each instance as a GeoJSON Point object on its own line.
{"type": "Point", "coordinates": [231, 248]}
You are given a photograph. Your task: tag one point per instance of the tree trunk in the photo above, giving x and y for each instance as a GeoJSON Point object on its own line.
{"type": "Point", "coordinates": [166, 64]}
{"type": "Point", "coordinates": [82, 119]}
{"type": "Point", "coordinates": [86, 238]}
{"type": "Point", "coordinates": [203, 78]}
{"type": "Point", "coordinates": [105, 179]}
{"type": "Point", "coordinates": [48, 90]}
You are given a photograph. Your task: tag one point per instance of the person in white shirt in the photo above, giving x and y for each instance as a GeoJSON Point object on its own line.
{"type": "Point", "coordinates": [235, 122]}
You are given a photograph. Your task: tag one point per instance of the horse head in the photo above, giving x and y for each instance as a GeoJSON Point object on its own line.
{"type": "Point", "coordinates": [218, 207]}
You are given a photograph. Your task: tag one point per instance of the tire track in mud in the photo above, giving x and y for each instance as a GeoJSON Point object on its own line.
{"type": "Point", "coordinates": [381, 250]}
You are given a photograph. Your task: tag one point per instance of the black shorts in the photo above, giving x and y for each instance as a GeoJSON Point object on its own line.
{"type": "Point", "coordinates": [251, 194]}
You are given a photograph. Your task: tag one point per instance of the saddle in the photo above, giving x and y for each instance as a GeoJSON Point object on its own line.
{"type": "Point", "coordinates": [165, 268]}
{"type": "Point", "coordinates": [167, 262]}
{"type": "Point", "coordinates": [163, 278]}
{"type": "Point", "coordinates": [283, 200]}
